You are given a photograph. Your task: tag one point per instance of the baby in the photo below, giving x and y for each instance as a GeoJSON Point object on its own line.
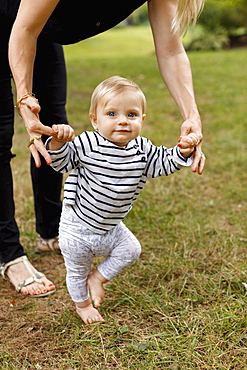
{"type": "Point", "coordinates": [109, 167]}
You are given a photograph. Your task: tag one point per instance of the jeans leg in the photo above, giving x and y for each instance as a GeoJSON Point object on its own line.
{"type": "Point", "coordinates": [10, 247]}
{"type": "Point", "coordinates": [50, 88]}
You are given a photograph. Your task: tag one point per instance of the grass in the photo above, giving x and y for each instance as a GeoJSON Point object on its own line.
{"type": "Point", "coordinates": [183, 304]}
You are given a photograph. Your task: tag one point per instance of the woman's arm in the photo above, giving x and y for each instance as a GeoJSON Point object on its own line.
{"type": "Point", "coordinates": [175, 69]}
{"type": "Point", "coordinates": [29, 22]}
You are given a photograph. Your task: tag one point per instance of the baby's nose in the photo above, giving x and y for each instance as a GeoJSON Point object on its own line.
{"type": "Point", "coordinates": [123, 120]}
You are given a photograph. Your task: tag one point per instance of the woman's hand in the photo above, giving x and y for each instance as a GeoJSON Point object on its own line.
{"type": "Point", "coordinates": [199, 158]}
{"type": "Point", "coordinates": [29, 110]}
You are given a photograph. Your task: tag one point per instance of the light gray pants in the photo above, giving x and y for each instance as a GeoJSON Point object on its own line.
{"type": "Point", "coordinates": [80, 245]}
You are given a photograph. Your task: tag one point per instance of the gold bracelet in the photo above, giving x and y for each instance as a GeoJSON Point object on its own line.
{"type": "Point", "coordinates": [17, 106]}
{"type": "Point", "coordinates": [32, 140]}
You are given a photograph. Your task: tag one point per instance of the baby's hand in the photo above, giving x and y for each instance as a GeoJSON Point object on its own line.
{"type": "Point", "coordinates": [63, 133]}
{"type": "Point", "coordinates": [187, 144]}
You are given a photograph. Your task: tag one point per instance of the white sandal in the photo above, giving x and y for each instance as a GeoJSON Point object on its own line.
{"type": "Point", "coordinates": [34, 277]}
{"type": "Point", "coordinates": [49, 243]}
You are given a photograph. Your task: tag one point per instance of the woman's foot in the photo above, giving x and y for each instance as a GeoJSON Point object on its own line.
{"type": "Point", "coordinates": [88, 313]}
{"type": "Point", "coordinates": [21, 271]}
{"type": "Point", "coordinates": [47, 245]}
{"type": "Point", "coordinates": [95, 283]}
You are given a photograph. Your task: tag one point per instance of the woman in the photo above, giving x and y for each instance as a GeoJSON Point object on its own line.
{"type": "Point", "coordinates": [69, 21]}
{"type": "Point", "coordinates": [49, 83]}
{"type": "Point", "coordinates": [72, 21]}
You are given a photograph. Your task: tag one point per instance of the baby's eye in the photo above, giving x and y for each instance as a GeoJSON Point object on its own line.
{"type": "Point", "coordinates": [112, 114]}
{"type": "Point", "coordinates": [132, 114]}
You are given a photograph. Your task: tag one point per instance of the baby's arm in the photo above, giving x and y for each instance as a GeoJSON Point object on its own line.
{"type": "Point", "coordinates": [187, 144]}
{"type": "Point", "coordinates": [64, 133]}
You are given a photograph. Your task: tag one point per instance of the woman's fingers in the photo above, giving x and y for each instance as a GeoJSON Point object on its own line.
{"type": "Point", "coordinates": [35, 155]}
{"type": "Point", "coordinates": [201, 164]}
{"type": "Point", "coordinates": [199, 160]}
{"type": "Point", "coordinates": [37, 147]}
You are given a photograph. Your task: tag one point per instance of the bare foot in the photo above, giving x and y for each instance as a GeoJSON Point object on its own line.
{"type": "Point", "coordinates": [95, 283]}
{"type": "Point", "coordinates": [88, 313]}
{"type": "Point", "coordinates": [18, 272]}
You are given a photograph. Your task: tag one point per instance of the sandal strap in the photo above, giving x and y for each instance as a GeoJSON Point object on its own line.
{"type": "Point", "coordinates": [48, 243]}
{"type": "Point", "coordinates": [33, 278]}
{"type": "Point", "coordinates": [21, 259]}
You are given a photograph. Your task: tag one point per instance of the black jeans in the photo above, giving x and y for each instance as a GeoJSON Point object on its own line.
{"type": "Point", "coordinates": [49, 85]}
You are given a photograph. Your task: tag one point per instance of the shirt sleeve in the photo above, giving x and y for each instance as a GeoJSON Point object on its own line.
{"type": "Point", "coordinates": [66, 158]}
{"type": "Point", "coordinates": [162, 161]}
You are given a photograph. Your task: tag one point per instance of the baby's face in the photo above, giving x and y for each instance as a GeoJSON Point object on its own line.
{"type": "Point", "coordinates": [120, 120]}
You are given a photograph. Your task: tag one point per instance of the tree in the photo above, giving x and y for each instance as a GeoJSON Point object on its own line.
{"type": "Point", "coordinates": [227, 14]}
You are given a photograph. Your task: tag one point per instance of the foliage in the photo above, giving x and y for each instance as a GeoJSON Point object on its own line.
{"type": "Point", "coordinates": [207, 40]}
{"type": "Point", "coordinates": [139, 16]}
{"type": "Point", "coordinates": [221, 25]}
{"type": "Point", "coordinates": [230, 15]}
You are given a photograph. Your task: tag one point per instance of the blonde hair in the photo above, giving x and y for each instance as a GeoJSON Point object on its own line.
{"type": "Point", "coordinates": [109, 88]}
{"type": "Point", "coordinates": [187, 13]}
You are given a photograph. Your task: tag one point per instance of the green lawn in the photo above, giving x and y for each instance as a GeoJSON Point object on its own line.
{"type": "Point", "coordinates": [183, 305]}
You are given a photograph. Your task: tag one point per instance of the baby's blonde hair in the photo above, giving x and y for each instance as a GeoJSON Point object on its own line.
{"type": "Point", "coordinates": [109, 88]}
{"type": "Point", "coordinates": [187, 13]}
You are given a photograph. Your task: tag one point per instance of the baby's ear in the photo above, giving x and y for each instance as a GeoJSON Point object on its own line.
{"type": "Point", "coordinates": [143, 117]}
{"type": "Point", "coordinates": [93, 120]}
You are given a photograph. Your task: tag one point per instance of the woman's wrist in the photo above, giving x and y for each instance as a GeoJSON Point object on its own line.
{"type": "Point", "coordinates": [21, 100]}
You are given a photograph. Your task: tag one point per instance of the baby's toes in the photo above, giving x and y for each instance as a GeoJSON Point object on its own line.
{"type": "Point", "coordinates": [97, 319]}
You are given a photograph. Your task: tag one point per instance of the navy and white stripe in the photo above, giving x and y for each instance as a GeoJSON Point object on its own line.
{"type": "Point", "coordinates": [106, 179]}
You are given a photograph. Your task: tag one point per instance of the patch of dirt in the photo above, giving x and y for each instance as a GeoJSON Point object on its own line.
{"type": "Point", "coordinates": [30, 326]}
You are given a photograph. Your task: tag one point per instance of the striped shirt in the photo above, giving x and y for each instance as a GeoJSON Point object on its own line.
{"type": "Point", "coordinates": [106, 179]}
